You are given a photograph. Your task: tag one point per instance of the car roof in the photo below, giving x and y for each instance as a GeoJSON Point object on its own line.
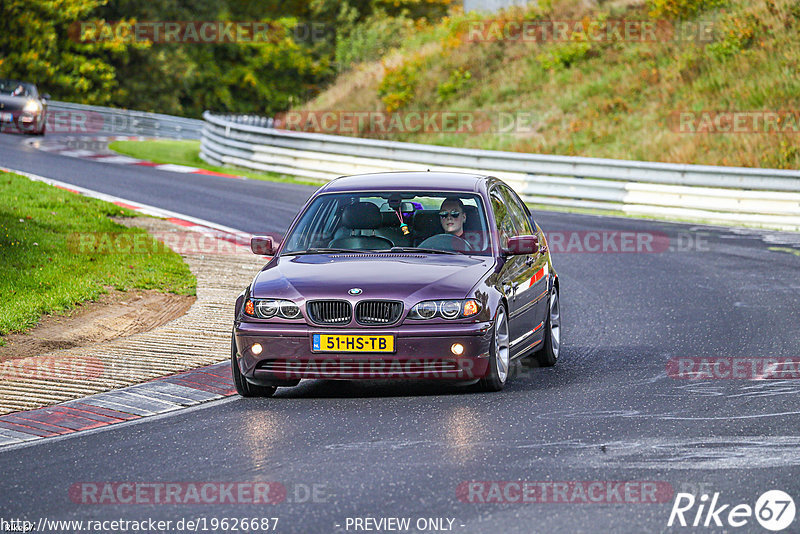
{"type": "Point", "coordinates": [407, 181]}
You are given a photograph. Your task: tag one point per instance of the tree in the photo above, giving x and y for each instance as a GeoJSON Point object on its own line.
{"type": "Point", "coordinates": [37, 45]}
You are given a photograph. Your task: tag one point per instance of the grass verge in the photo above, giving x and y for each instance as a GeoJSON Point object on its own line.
{"type": "Point", "coordinates": [188, 153]}
{"type": "Point", "coordinates": [46, 270]}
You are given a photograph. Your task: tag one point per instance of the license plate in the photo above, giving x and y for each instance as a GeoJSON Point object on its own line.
{"type": "Point", "coordinates": [350, 343]}
{"type": "Point", "coordinates": [6, 117]}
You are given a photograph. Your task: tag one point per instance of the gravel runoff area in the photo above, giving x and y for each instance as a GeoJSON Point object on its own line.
{"type": "Point", "coordinates": [200, 337]}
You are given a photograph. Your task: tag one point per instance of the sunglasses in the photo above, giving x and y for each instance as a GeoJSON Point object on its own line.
{"type": "Point", "coordinates": [454, 214]}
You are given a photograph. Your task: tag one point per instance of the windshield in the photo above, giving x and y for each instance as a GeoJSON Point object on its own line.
{"type": "Point", "coordinates": [447, 223]}
{"type": "Point", "coordinates": [16, 88]}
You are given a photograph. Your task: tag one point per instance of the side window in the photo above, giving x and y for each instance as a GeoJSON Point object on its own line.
{"type": "Point", "coordinates": [506, 227]}
{"type": "Point", "coordinates": [314, 225]}
{"type": "Point", "coordinates": [517, 211]}
{"type": "Point", "coordinates": [329, 219]}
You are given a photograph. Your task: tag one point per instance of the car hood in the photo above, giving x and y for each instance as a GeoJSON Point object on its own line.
{"type": "Point", "coordinates": [13, 103]}
{"type": "Point", "coordinates": [411, 277]}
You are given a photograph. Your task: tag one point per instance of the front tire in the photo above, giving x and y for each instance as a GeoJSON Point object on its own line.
{"type": "Point", "coordinates": [243, 387]}
{"type": "Point", "coordinates": [548, 356]}
{"type": "Point", "coordinates": [499, 353]}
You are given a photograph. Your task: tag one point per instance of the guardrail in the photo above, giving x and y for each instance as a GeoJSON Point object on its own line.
{"type": "Point", "coordinates": [79, 118]}
{"type": "Point", "coordinates": [730, 195]}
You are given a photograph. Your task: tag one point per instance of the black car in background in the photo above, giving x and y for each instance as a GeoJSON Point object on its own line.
{"type": "Point", "coordinates": [22, 107]}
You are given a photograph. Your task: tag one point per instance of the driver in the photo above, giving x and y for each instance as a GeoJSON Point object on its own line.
{"type": "Point", "coordinates": [452, 216]}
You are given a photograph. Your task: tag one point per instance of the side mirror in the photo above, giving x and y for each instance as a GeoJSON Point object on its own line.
{"type": "Point", "coordinates": [46, 96]}
{"type": "Point", "coordinates": [523, 244]}
{"type": "Point", "coordinates": [262, 245]}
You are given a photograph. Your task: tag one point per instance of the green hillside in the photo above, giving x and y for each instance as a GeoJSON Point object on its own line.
{"type": "Point", "coordinates": [598, 92]}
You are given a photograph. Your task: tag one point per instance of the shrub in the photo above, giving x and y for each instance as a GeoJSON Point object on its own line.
{"type": "Point", "coordinates": [736, 34]}
{"type": "Point", "coordinates": [563, 55]}
{"type": "Point", "coordinates": [398, 86]}
{"type": "Point", "coordinates": [681, 9]}
{"type": "Point", "coordinates": [372, 39]}
{"type": "Point", "coordinates": [458, 80]}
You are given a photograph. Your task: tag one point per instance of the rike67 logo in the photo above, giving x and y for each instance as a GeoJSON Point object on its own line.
{"type": "Point", "coordinates": [774, 510]}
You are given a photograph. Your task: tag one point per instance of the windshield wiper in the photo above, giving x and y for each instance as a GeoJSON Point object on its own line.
{"type": "Point", "coordinates": [359, 251]}
{"type": "Point", "coordinates": [322, 251]}
{"type": "Point", "coordinates": [421, 250]}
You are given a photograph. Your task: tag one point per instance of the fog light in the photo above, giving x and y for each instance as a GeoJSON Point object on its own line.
{"type": "Point", "coordinates": [256, 348]}
{"type": "Point", "coordinates": [457, 349]}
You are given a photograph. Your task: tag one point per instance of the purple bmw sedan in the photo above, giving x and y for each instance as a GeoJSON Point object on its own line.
{"type": "Point", "coordinates": [404, 275]}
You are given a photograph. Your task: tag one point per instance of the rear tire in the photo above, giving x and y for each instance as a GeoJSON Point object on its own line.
{"type": "Point", "coordinates": [243, 387]}
{"type": "Point", "coordinates": [548, 356]}
{"type": "Point", "coordinates": [499, 352]}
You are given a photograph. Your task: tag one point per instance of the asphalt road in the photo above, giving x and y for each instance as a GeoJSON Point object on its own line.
{"type": "Point", "coordinates": [243, 204]}
{"type": "Point", "coordinates": [607, 412]}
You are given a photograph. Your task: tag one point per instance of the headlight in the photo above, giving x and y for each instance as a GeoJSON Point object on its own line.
{"type": "Point", "coordinates": [447, 309]}
{"type": "Point", "coordinates": [425, 310]}
{"type": "Point", "coordinates": [289, 310]}
{"type": "Point", "coordinates": [450, 309]}
{"type": "Point", "coordinates": [32, 106]}
{"type": "Point", "coordinates": [269, 308]}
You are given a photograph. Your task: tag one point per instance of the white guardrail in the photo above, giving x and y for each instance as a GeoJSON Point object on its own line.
{"type": "Point", "coordinates": [80, 118]}
{"type": "Point", "coordinates": [728, 195]}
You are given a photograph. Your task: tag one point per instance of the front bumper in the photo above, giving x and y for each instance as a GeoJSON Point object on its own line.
{"type": "Point", "coordinates": [24, 121]}
{"type": "Point", "coordinates": [421, 352]}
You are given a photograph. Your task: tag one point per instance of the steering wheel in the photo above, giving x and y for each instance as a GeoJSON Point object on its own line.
{"type": "Point", "coordinates": [447, 242]}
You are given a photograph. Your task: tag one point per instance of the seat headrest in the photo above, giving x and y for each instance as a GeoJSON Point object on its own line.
{"type": "Point", "coordinates": [427, 221]}
{"type": "Point", "coordinates": [362, 215]}
{"type": "Point", "coordinates": [473, 221]}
